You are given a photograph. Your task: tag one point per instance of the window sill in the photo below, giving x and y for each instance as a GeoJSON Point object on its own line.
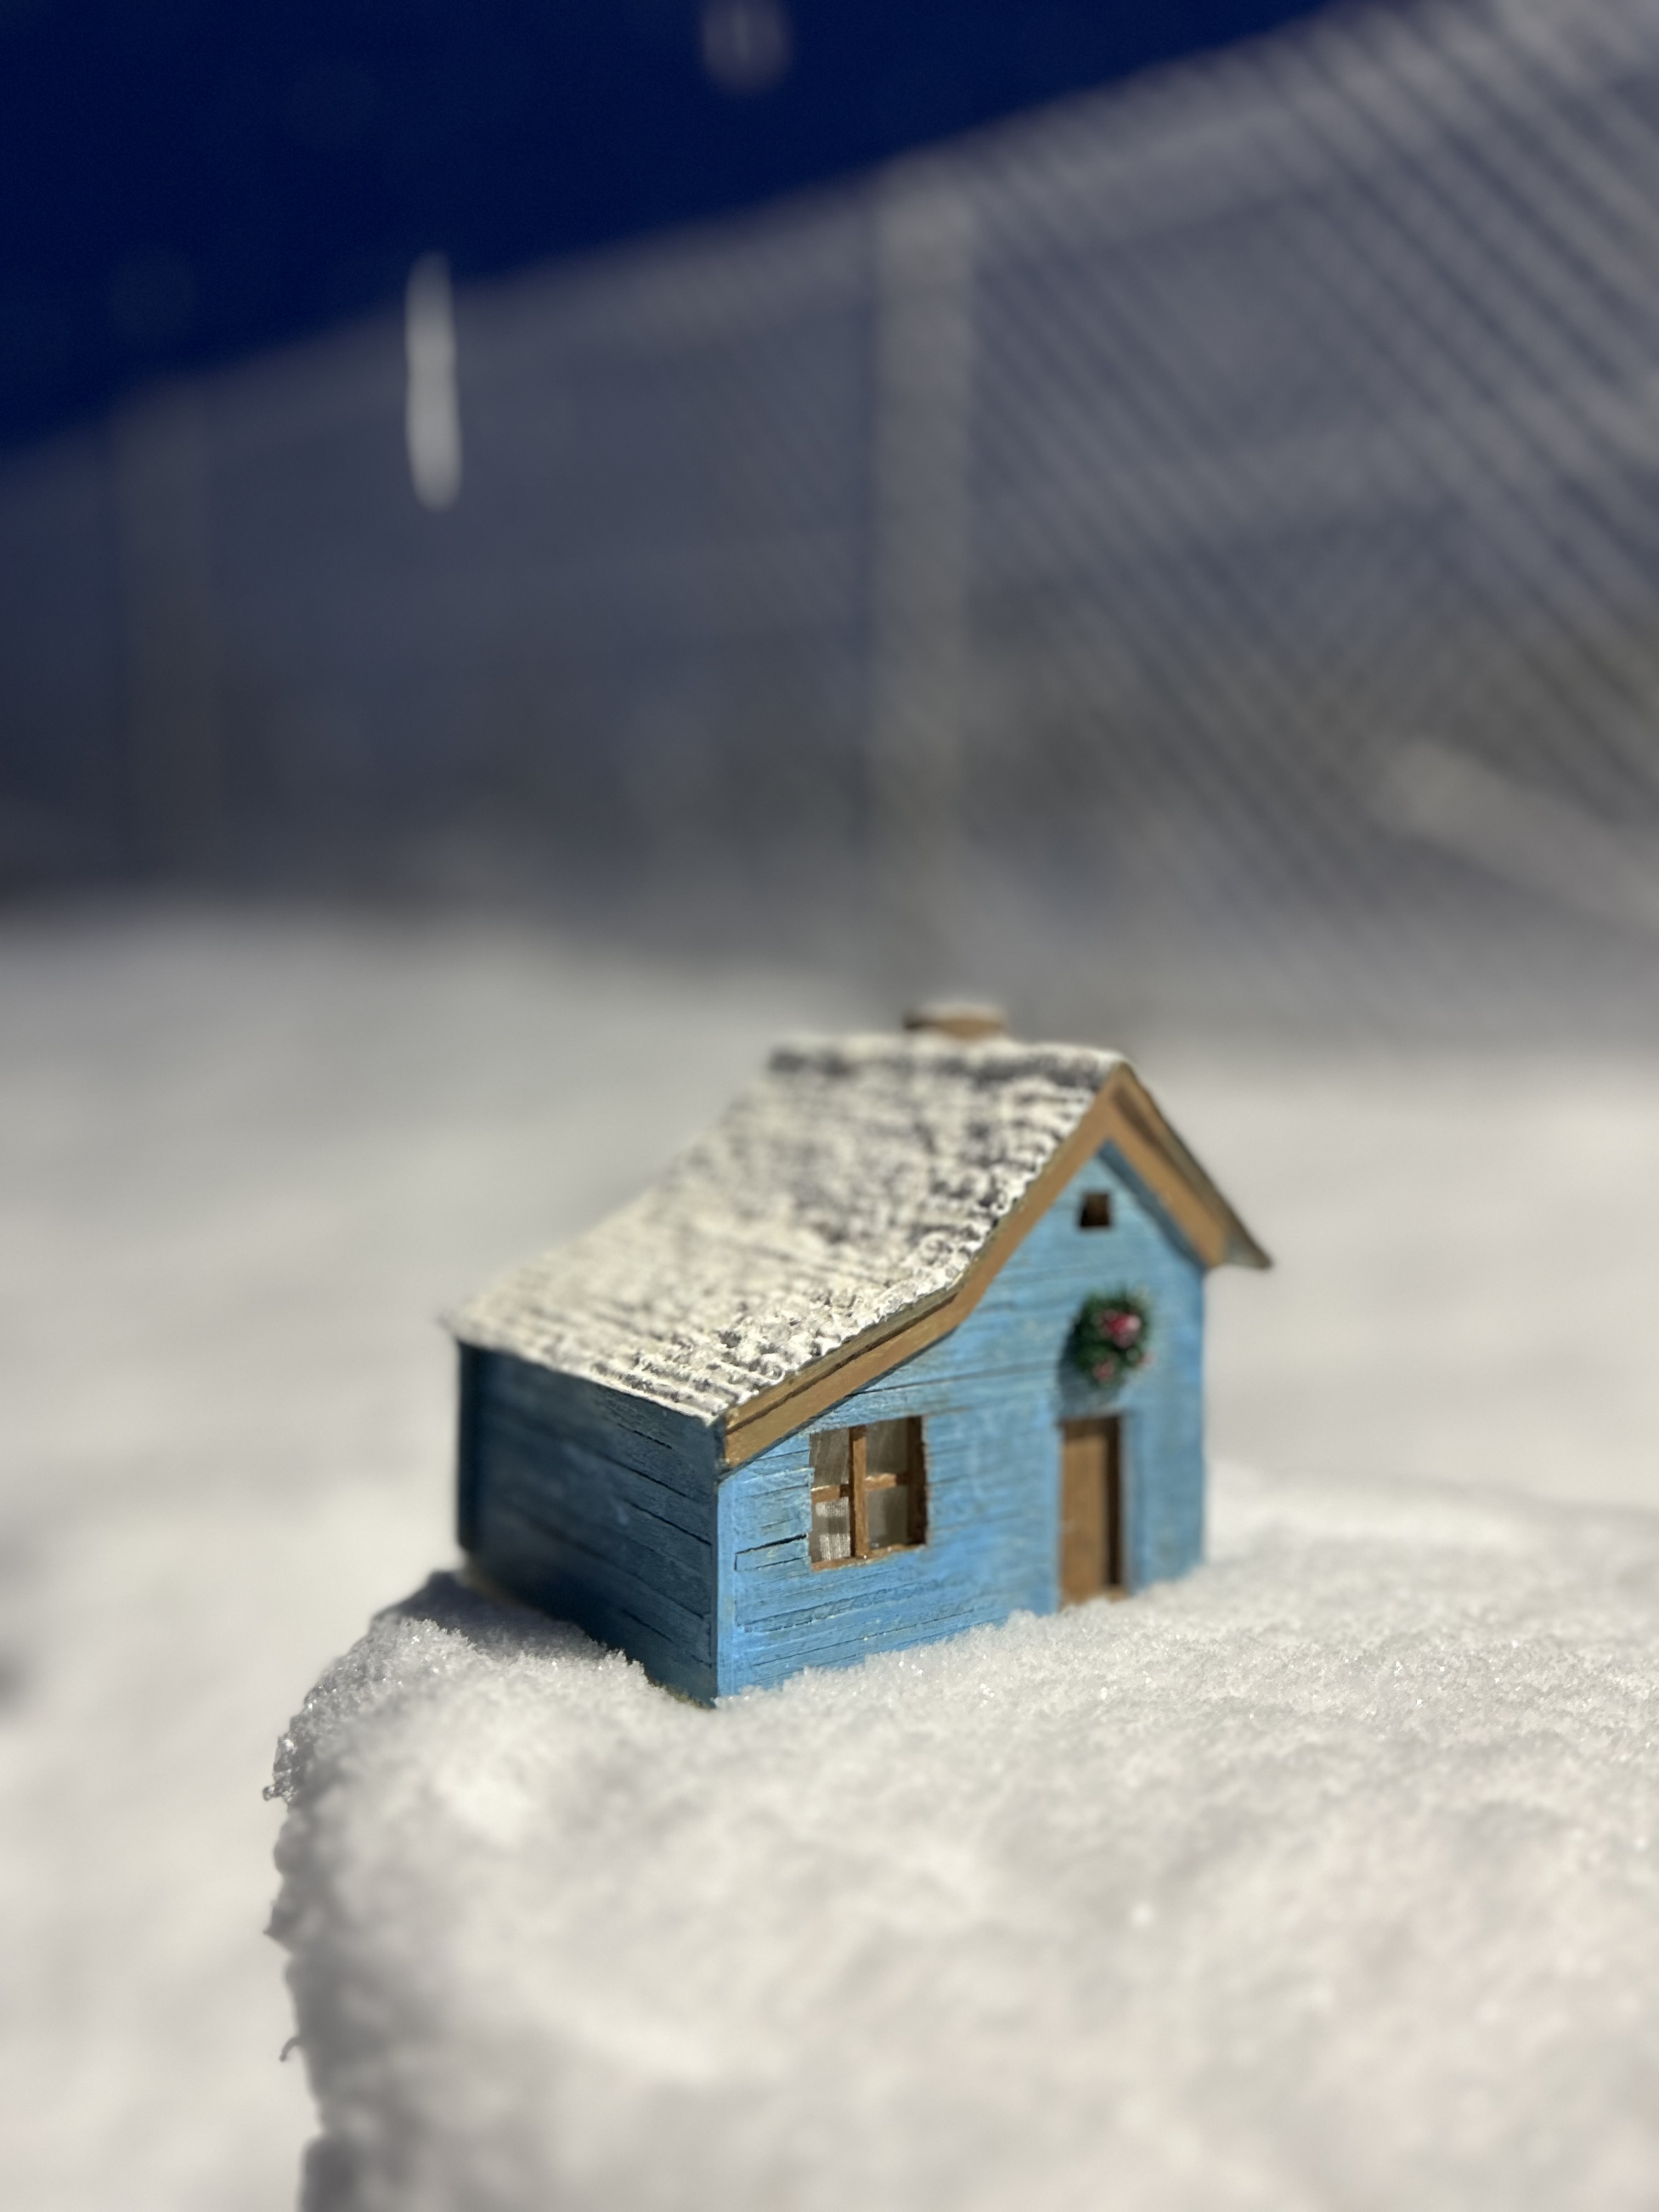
{"type": "Point", "coordinates": [869, 1559]}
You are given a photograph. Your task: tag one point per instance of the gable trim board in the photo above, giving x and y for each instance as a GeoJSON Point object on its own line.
{"type": "Point", "coordinates": [1122, 1115]}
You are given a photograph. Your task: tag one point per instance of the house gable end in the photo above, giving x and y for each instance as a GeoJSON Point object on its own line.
{"type": "Point", "coordinates": [990, 1396]}
{"type": "Point", "coordinates": [1122, 1117]}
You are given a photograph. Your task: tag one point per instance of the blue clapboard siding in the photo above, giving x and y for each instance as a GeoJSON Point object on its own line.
{"type": "Point", "coordinates": [616, 1514]}
{"type": "Point", "coordinates": [596, 1506]}
{"type": "Point", "coordinates": [992, 1396]}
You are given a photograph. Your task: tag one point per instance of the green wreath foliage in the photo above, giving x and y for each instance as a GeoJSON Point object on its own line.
{"type": "Point", "coordinates": [1111, 1336]}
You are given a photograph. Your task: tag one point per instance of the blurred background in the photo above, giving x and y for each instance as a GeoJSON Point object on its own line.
{"type": "Point", "coordinates": [1186, 547]}
{"type": "Point", "coordinates": [541, 546]}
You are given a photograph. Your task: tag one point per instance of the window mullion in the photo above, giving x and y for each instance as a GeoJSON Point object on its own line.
{"type": "Point", "coordinates": [855, 1457]}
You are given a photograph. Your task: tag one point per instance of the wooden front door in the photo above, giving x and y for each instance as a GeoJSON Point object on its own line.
{"type": "Point", "coordinates": [1090, 1509]}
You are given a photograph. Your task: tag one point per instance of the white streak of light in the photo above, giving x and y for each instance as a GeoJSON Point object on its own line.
{"type": "Point", "coordinates": [432, 416]}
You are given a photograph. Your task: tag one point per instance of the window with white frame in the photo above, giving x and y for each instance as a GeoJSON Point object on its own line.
{"type": "Point", "coordinates": [869, 1492]}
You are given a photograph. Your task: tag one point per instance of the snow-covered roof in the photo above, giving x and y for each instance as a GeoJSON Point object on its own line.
{"type": "Point", "coordinates": [856, 1180]}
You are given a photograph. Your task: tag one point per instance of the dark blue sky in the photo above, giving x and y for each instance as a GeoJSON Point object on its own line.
{"type": "Point", "coordinates": [184, 181]}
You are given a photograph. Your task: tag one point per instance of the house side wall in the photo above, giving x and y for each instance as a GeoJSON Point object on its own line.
{"type": "Point", "coordinates": [992, 1395]}
{"type": "Point", "coordinates": [595, 1506]}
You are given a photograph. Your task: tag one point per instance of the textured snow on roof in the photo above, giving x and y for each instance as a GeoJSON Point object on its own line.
{"type": "Point", "coordinates": [856, 1180]}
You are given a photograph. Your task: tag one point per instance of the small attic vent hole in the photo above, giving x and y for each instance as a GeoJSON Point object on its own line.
{"type": "Point", "coordinates": [1097, 1210]}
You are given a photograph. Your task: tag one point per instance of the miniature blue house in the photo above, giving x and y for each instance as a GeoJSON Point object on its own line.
{"type": "Point", "coordinates": [912, 1340]}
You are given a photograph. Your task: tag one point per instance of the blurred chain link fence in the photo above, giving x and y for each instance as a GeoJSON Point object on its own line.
{"type": "Point", "coordinates": [1199, 546]}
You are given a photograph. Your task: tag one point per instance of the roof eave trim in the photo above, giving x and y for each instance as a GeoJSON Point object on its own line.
{"type": "Point", "coordinates": [1217, 1236]}
{"type": "Point", "coordinates": [1122, 1113]}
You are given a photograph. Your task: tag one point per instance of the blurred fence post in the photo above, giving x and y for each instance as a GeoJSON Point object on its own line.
{"type": "Point", "coordinates": [171, 734]}
{"type": "Point", "coordinates": [431, 415]}
{"type": "Point", "coordinates": [920, 552]}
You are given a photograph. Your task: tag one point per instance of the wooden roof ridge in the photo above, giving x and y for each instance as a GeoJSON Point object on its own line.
{"type": "Point", "coordinates": [1123, 1112]}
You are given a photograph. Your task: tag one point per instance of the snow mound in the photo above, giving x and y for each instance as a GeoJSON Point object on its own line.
{"type": "Point", "coordinates": [1325, 1876]}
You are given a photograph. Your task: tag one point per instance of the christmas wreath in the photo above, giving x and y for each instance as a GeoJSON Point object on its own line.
{"type": "Point", "coordinates": [1111, 1336]}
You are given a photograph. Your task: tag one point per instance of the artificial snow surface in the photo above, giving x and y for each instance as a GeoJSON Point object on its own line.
{"type": "Point", "coordinates": [245, 1162]}
{"type": "Point", "coordinates": [1330, 1876]}
{"type": "Point", "coordinates": [855, 1180]}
